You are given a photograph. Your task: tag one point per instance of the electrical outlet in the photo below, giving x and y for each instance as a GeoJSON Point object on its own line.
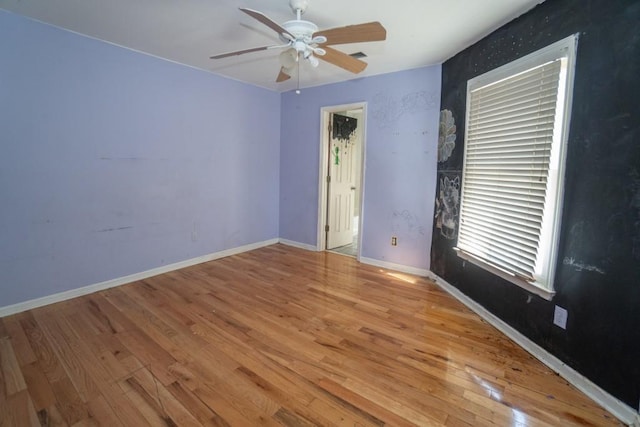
{"type": "Point", "coordinates": [560, 316]}
{"type": "Point", "coordinates": [394, 241]}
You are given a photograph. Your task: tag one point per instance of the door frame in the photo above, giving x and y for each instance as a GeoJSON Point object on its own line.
{"type": "Point", "coordinates": [323, 188]}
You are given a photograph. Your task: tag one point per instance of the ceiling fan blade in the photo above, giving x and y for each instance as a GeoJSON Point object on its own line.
{"type": "Point", "coordinates": [240, 52]}
{"type": "Point", "coordinates": [369, 32]}
{"type": "Point", "coordinates": [282, 76]}
{"type": "Point", "coordinates": [343, 60]}
{"type": "Point", "coordinates": [259, 16]}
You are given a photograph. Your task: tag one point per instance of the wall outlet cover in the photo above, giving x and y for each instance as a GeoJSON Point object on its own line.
{"type": "Point", "coordinates": [560, 316]}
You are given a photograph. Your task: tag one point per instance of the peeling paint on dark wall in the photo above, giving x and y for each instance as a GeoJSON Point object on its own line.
{"type": "Point", "coordinates": [598, 265]}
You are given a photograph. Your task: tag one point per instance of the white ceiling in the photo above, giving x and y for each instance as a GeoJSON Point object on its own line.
{"type": "Point", "coordinates": [419, 32]}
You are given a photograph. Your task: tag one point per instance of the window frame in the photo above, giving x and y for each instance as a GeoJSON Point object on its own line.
{"type": "Point", "coordinates": [548, 242]}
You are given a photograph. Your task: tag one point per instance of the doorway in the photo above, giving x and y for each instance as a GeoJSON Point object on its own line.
{"type": "Point", "coordinates": [342, 151]}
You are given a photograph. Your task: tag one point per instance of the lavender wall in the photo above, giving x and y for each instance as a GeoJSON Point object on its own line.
{"type": "Point", "coordinates": [114, 162]}
{"type": "Point", "coordinates": [400, 162]}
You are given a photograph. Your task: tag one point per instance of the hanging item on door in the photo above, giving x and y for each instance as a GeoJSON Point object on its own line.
{"type": "Point", "coordinates": [336, 155]}
{"type": "Point", "coordinates": [344, 127]}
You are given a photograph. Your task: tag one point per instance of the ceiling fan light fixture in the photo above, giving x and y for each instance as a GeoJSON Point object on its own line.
{"type": "Point", "coordinates": [308, 55]}
{"type": "Point", "coordinates": [313, 61]}
{"type": "Point", "coordinates": [288, 58]}
{"type": "Point", "coordinates": [300, 46]}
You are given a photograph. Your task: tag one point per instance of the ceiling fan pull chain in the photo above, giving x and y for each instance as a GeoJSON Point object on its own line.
{"type": "Point", "coordinates": [298, 85]}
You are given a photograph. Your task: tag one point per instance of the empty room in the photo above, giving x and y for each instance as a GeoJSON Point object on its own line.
{"type": "Point", "coordinates": [318, 213]}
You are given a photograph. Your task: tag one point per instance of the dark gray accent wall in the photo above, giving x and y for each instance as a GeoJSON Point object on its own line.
{"type": "Point", "coordinates": [598, 274]}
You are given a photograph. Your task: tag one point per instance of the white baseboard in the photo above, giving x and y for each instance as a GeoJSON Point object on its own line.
{"type": "Point", "coordinates": [299, 245]}
{"type": "Point", "coordinates": [377, 263]}
{"type": "Point", "coordinates": [73, 293]}
{"type": "Point", "coordinates": [392, 266]}
{"type": "Point", "coordinates": [618, 408]}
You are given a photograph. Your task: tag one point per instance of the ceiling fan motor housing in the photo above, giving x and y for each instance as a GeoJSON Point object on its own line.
{"type": "Point", "coordinates": [303, 41]}
{"type": "Point", "coordinates": [301, 30]}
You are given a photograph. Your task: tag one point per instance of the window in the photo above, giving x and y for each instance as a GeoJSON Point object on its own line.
{"type": "Point", "coordinates": [512, 180]}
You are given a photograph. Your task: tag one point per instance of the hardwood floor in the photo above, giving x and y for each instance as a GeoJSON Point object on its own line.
{"type": "Point", "coordinates": [276, 336]}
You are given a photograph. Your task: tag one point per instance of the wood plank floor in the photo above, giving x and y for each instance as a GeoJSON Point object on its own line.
{"type": "Point", "coordinates": [276, 336]}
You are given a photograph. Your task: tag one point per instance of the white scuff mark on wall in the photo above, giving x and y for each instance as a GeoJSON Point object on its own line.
{"type": "Point", "coordinates": [418, 101]}
{"type": "Point", "coordinates": [388, 109]}
{"type": "Point", "coordinates": [579, 266]}
{"type": "Point", "coordinates": [406, 224]}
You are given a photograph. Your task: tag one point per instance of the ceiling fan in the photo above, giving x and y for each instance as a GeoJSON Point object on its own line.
{"type": "Point", "coordinates": [302, 40]}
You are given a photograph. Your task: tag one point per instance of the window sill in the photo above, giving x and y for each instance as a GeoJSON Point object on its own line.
{"type": "Point", "coordinates": [528, 286]}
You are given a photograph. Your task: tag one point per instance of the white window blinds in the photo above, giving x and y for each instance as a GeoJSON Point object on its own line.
{"type": "Point", "coordinates": [510, 177]}
{"type": "Point", "coordinates": [507, 163]}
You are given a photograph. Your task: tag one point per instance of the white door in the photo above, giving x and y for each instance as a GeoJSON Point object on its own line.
{"type": "Point", "coordinates": [342, 181]}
